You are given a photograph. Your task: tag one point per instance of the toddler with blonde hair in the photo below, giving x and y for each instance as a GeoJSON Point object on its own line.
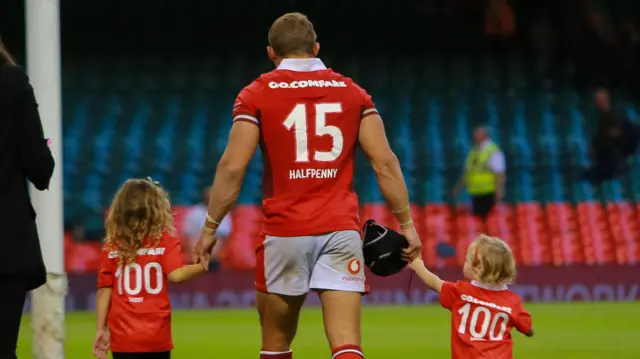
{"type": "Point", "coordinates": [483, 309]}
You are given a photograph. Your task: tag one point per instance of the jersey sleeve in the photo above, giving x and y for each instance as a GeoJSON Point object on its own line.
{"type": "Point", "coordinates": [246, 107]}
{"type": "Point", "coordinates": [106, 271]}
{"type": "Point", "coordinates": [447, 295]}
{"type": "Point", "coordinates": [367, 107]}
{"type": "Point", "coordinates": [172, 257]}
{"type": "Point", "coordinates": [522, 320]}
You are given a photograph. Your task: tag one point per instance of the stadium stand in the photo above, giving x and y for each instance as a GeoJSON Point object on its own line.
{"type": "Point", "coordinates": [151, 123]}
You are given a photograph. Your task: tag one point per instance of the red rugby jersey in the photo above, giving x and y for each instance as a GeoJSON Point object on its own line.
{"type": "Point", "coordinates": [482, 319]}
{"type": "Point", "coordinates": [309, 118]}
{"type": "Point", "coordinates": [139, 318]}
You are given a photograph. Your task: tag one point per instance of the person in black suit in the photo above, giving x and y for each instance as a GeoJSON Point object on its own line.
{"type": "Point", "coordinates": [24, 157]}
{"type": "Point", "coordinates": [616, 139]}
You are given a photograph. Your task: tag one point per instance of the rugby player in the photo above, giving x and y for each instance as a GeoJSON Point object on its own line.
{"type": "Point", "coordinates": [307, 120]}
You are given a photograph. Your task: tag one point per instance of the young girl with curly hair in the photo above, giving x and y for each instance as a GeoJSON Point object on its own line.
{"type": "Point", "coordinates": [141, 252]}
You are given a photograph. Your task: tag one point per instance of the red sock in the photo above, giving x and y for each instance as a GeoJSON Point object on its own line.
{"type": "Point", "coordinates": [276, 355]}
{"type": "Point", "coordinates": [347, 352]}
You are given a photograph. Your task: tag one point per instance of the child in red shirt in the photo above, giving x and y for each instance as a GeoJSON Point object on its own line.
{"type": "Point", "coordinates": [140, 253]}
{"type": "Point", "coordinates": [484, 310]}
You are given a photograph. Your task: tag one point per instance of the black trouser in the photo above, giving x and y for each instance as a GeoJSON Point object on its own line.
{"type": "Point", "coordinates": [482, 205]}
{"type": "Point", "coordinates": [605, 166]}
{"type": "Point", "coordinates": [13, 293]}
{"type": "Point", "coordinates": [159, 355]}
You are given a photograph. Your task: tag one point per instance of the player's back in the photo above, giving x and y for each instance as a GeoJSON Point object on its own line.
{"type": "Point", "coordinates": [482, 318]}
{"type": "Point", "coordinates": [309, 118]}
{"type": "Point", "coordinates": [140, 312]}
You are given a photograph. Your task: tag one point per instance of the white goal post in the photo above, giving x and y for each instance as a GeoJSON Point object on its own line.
{"type": "Point", "coordinates": [43, 66]}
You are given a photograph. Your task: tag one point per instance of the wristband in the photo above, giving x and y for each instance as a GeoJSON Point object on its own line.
{"type": "Point", "coordinates": [211, 220]}
{"type": "Point", "coordinates": [406, 225]}
{"type": "Point", "coordinates": [208, 230]}
{"type": "Point", "coordinates": [405, 209]}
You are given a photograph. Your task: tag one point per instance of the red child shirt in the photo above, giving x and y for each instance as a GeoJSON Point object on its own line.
{"type": "Point", "coordinates": [139, 318]}
{"type": "Point", "coordinates": [309, 118]}
{"type": "Point", "coordinates": [482, 319]}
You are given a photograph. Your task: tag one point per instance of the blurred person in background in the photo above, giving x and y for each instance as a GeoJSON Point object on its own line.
{"type": "Point", "coordinates": [484, 174]}
{"type": "Point", "coordinates": [615, 140]}
{"type": "Point", "coordinates": [24, 157]}
{"type": "Point", "coordinates": [193, 226]}
{"type": "Point", "coordinates": [499, 26]}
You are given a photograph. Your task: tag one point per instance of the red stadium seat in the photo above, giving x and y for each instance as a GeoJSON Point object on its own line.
{"type": "Point", "coordinates": [467, 227]}
{"type": "Point", "coordinates": [438, 227]}
{"type": "Point", "coordinates": [239, 251]}
{"type": "Point", "coordinates": [417, 212]}
{"type": "Point", "coordinates": [624, 230]}
{"type": "Point", "coordinates": [378, 212]}
{"type": "Point", "coordinates": [531, 233]}
{"type": "Point", "coordinates": [179, 215]}
{"type": "Point", "coordinates": [565, 244]}
{"type": "Point", "coordinates": [83, 257]}
{"type": "Point", "coordinates": [501, 224]}
{"type": "Point", "coordinates": [596, 236]}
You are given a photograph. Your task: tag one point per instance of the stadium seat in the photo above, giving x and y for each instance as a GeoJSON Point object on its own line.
{"type": "Point", "coordinates": [565, 244]}
{"type": "Point", "coordinates": [467, 229]}
{"type": "Point", "coordinates": [239, 251]}
{"type": "Point", "coordinates": [532, 234]}
{"type": "Point", "coordinates": [596, 237]}
{"type": "Point", "coordinates": [501, 224]}
{"type": "Point", "coordinates": [624, 229]}
{"type": "Point", "coordinates": [437, 222]}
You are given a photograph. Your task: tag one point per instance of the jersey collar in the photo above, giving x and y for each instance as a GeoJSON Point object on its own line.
{"type": "Point", "coordinates": [302, 65]}
{"type": "Point", "coordinates": [494, 287]}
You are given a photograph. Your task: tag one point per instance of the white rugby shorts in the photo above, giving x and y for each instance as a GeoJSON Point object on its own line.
{"type": "Point", "coordinates": [294, 265]}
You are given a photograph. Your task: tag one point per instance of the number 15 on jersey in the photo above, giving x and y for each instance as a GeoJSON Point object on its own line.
{"type": "Point", "coordinates": [296, 121]}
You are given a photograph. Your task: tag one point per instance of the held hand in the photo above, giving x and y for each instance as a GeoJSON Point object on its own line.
{"type": "Point", "coordinates": [415, 245]}
{"type": "Point", "coordinates": [499, 196]}
{"type": "Point", "coordinates": [202, 249]}
{"type": "Point", "coordinates": [101, 344]}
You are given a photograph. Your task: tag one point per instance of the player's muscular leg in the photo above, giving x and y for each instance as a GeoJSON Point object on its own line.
{"type": "Point", "coordinates": [339, 279]}
{"type": "Point", "coordinates": [285, 284]}
{"type": "Point", "coordinates": [278, 320]}
{"type": "Point", "coordinates": [341, 315]}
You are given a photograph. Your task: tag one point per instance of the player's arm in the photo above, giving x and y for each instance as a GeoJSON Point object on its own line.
{"type": "Point", "coordinates": [385, 164]}
{"type": "Point", "coordinates": [244, 139]}
{"type": "Point", "coordinates": [186, 273]}
{"type": "Point", "coordinates": [431, 280]}
{"type": "Point", "coordinates": [529, 333]}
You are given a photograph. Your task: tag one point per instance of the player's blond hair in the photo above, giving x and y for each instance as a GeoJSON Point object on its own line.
{"type": "Point", "coordinates": [493, 260]}
{"type": "Point", "coordinates": [140, 211]}
{"type": "Point", "coordinates": [292, 34]}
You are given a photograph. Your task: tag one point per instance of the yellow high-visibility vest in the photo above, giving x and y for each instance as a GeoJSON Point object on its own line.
{"type": "Point", "coordinates": [480, 179]}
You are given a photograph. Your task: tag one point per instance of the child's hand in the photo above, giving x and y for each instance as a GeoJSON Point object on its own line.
{"type": "Point", "coordinates": [101, 344]}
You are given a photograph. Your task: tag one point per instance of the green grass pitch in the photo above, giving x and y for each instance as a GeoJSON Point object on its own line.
{"type": "Point", "coordinates": [563, 331]}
